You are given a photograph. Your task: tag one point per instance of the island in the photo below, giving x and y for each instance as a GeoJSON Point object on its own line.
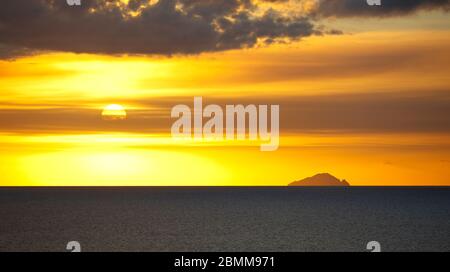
{"type": "Point", "coordinates": [323, 179]}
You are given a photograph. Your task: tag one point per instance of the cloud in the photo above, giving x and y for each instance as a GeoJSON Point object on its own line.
{"type": "Point", "coordinates": [398, 112]}
{"type": "Point", "coordinates": [142, 27]}
{"type": "Point", "coordinates": [360, 8]}
{"type": "Point", "coordinates": [79, 120]}
{"type": "Point", "coordinates": [167, 27]}
{"type": "Point", "coordinates": [9, 52]}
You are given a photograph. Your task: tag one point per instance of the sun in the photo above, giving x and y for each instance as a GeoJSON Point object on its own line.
{"type": "Point", "coordinates": [114, 112]}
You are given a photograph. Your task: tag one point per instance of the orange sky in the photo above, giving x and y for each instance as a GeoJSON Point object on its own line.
{"type": "Point", "coordinates": [369, 106]}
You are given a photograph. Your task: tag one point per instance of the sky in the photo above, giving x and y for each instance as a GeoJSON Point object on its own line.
{"type": "Point", "coordinates": [364, 91]}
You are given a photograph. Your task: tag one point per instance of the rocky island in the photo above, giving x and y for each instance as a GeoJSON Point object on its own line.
{"type": "Point", "coordinates": [323, 179]}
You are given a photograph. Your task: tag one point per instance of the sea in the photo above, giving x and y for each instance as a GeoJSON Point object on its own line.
{"type": "Point", "coordinates": [225, 219]}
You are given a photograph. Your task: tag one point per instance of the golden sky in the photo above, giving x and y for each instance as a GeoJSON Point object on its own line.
{"type": "Point", "coordinates": [368, 102]}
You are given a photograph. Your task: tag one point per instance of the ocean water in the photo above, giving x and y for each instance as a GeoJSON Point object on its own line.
{"type": "Point", "coordinates": [225, 219]}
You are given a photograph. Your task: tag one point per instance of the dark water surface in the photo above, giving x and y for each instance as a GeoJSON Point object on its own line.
{"type": "Point", "coordinates": [225, 219]}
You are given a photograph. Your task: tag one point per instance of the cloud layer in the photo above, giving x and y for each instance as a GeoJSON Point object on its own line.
{"type": "Point", "coordinates": [169, 27]}
{"type": "Point", "coordinates": [345, 113]}
{"type": "Point", "coordinates": [359, 8]}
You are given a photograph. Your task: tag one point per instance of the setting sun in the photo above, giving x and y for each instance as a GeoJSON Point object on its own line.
{"type": "Point", "coordinates": [114, 112]}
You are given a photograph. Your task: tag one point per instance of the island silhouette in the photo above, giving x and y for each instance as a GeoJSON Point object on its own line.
{"type": "Point", "coordinates": [323, 179]}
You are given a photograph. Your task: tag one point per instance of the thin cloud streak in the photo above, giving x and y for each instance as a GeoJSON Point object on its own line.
{"type": "Point", "coordinates": [343, 113]}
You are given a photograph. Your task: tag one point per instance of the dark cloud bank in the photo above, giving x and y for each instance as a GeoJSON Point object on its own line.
{"type": "Point", "coordinates": [358, 8]}
{"type": "Point", "coordinates": [168, 26]}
